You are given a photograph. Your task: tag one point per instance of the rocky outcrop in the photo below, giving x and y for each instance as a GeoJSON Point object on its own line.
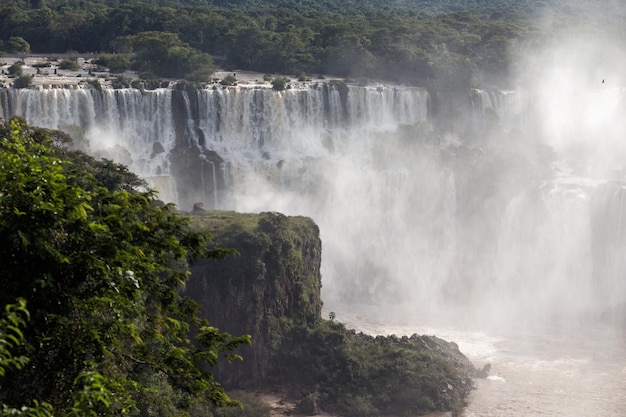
{"type": "Point", "coordinates": [274, 279]}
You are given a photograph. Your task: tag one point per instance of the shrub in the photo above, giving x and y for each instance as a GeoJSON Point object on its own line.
{"type": "Point", "coordinates": [23, 81]}
{"type": "Point", "coordinates": [267, 78]}
{"type": "Point", "coordinates": [15, 69]}
{"type": "Point", "coordinates": [154, 84]}
{"type": "Point", "coordinates": [280, 83]}
{"type": "Point", "coordinates": [137, 84]}
{"type": "Point", "coordinates": [121, 82]}
{"type": "Point", "coordinates": [69, 64]}
{"type": "Point", "coordinates": [229, 80]}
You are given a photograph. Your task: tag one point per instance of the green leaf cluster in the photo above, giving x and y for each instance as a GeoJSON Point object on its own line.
{"type": "Point", "coordinates": [101, 263]}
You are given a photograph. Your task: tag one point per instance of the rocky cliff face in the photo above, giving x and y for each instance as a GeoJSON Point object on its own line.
{"type": "Point", "coordinates": [275, 280]}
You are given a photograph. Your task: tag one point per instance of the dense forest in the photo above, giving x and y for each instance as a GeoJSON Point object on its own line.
{"type": "Point", "coordinates": [443, 44]}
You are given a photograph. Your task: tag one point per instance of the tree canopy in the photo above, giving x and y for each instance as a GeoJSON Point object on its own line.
{"type": "Point", "coordinates": [99, 263]}
{"type": "Point", "coordinates": [413, 41]}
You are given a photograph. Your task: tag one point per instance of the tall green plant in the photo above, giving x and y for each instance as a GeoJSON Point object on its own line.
{"type": "Point", "coordinates": [101, 265]}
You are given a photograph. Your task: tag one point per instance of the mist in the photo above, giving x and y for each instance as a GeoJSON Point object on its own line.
{"type": "Point", "coordinates": [519, 226]}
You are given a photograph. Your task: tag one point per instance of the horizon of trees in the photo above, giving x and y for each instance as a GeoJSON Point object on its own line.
{"type": "Point", "coordinates": [446, 44]}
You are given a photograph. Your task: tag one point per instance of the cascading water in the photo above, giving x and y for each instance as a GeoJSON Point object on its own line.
{"type": "Point", "coordinates": [405, 215]}
{"type": "Point", "coordinates": [513, 233]}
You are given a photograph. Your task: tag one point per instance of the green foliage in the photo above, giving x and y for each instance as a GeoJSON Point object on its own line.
{"type": "Point", "coordinates": [15, 69]}
{"type": "Point", "coordinates": [403, 40]}
{"type": "Point", "coordinates": [12, 324]}
{"type": "Point", "coordinates": [359, 375]}
{"type": "Point", "coordinates": [229, 80]}
{"type": "Point", "coordinates": [11, 336]}
{"type": "Point", "coordinates": [69, 64]}
{"type": "Point", "coordinates": [23, 81]}
{"type": "Point", "coordinates": [116, 63]}
{"type": "Point", "coordinates": [101, 265]}
{"type": "Point", "coordinates": [121, 81]}
{"type": "Point", "coordinates": [280, 83]}
{"type": "Point", "coordinates": [17, 44]}
{"type": "Point", "coordinates": [164, 54]}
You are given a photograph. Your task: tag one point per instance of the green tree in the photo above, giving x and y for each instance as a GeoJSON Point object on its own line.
{"type": "Point", "coordinates": [164, 54]}
{"type": "Point", "coordinates": [101, 265]}
{"type": "Point", "coordinates": [116, 63]}
{"type": "Point", "coordinates": [17, 44]}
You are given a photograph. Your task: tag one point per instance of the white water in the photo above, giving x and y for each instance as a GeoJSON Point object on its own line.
{"type": "Point", "coordinates": [491, 245]}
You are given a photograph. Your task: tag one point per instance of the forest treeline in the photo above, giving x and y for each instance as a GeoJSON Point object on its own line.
{"type": "Point", "coordinates": [440, 44]}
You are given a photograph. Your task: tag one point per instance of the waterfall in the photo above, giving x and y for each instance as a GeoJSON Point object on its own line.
{"type": "Point", "coordinates": [513, 225]}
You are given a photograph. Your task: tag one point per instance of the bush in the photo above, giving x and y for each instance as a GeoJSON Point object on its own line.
{"type": "Point", "coordinates": [116, 63]}
{"type": "Point", "coordinates": [23, 81]}
{"type": "Point", "coordinates": [267, 78]}
{"type": "Point", "coordinates": [15, 69]}
{"type": "Point", "coordinates": [154, 84]}
{"type": "Point", "coordinates": [121, 82]}
{"type": "Point", "coordinates": [69, 64]}
{"type": "Point", "coordinates": [280, 83]}
{"type": "Point", "coordinates": [229, 80]}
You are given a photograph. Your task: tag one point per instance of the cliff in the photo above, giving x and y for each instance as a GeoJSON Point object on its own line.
{"type": "Point", "coordinates": [275, 278]}
{"type": "Point", "coordinates": [272, 292]}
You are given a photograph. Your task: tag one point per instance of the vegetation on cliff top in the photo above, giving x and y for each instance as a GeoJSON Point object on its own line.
{"type": "Point", "coordinates": [91, 269]}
